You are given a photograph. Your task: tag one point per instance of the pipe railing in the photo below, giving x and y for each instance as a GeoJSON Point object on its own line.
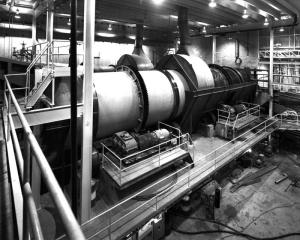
{"type": "Point", "coordinates": [32, 148]}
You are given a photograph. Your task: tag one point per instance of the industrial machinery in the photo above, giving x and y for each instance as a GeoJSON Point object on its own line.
{"type": "Point", "coordinates": [131, 157]}
{"type": "Point", "coordinates": [233, 119]}
{"type": "Point", "coordinates": [128, 104]}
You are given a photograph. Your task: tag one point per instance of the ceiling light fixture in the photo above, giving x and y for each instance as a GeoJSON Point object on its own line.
{"type": "Point", "coordinates": [281, 29]}
{"type": "Point", "coordinates": [69, 22]}
{"type": "Point", "coordinates": [158, 2]}
{"type": "Point", "coordinates": [105, 34]}
{"type": "Point", "coordinates": [109, 27]}
{"type": "Point", "coordinates": [212, 4]}
{"type": "Point", "coordinates": [204, 29]}
{"type": "Point", "coordinates": [266, 23]}
{"type": "Point", "coordinates": [245, 14]}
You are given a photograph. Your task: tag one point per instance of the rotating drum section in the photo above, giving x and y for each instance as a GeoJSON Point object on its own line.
{"type": "Point", "coordinates": [203, 74]}
{"type": "Point", "coordinates": [233, 75]}
{"type": "Point", "coordinates": [161, 96]}
{"type": "Point", "coordinates": [194, 70]}
{"type": "Point", "coordinates": [119, 102]}
{"type": "Point", "coordinates": [219, 74]}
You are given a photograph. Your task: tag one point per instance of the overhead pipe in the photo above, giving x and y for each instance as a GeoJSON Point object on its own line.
{"type": "Point", "coordinates": [183, 30]}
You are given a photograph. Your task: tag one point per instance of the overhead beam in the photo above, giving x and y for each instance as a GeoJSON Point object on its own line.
{"type": "Point", "coordinates": [239, 8]}
{"type": "Point", "coordinates": [282, 7]}
{"type": "Point", "coordinates": [265, 7]}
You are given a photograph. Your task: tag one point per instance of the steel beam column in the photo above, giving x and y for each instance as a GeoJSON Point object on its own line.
{"type": "Point", "coordinates": [49, 23]}
{"type": "Point", "coordinates": [87, 141]}
{"type": "Point", "coordinates": [33, 33]}
{"type": "Point", "coordinates": [214, 49]}
{"type": "Point", "coordinates": [73, 74]}
{"type": "Point", "coordinates": [270, 82]}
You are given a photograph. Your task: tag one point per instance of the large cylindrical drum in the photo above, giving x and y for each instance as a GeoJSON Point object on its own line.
{"type": "Point", "coordinates": [160, 96]}
{"type": "Point", "coordinates": [118, 102]}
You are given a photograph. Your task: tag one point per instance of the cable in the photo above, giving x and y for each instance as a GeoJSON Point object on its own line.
{"type": "Point", "coordinates": [212, 231]}
{"type": "Point", "coordinates": [233, 232]}
{"type": "Point", "coordinates": [236, 233]}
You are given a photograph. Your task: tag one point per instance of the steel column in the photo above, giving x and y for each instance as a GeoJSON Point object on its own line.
{"type": "Point", "coordinates": [73, 69]}
{"type": "Point", "coordinates": [87, 141]}
{"type": "Point", "coordinates": [270, 83]}
{"type": "Point", "coordinates": [49, 23]}
{"type": "Point", "coordinates": [214, 49]}
{"type": "Point", "coordinates": [33, 33]}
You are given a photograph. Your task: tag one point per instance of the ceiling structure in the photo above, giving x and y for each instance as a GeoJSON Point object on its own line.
{"type": "Point", "coordinates": [116, 19]}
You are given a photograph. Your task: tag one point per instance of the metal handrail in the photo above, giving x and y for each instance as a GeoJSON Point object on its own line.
{"type": "Point", "coordinates": [68, 219]}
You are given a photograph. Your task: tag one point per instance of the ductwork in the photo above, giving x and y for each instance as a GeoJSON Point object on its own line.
{"type": "Point", "coordinates": [138, 44]}
{"type": "Point", "coordinates": [183, 30]}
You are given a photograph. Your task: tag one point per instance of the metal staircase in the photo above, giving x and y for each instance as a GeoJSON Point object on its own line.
{"type": "Point", "coordinates": [38, 90]}
{"type": "Point", "coordinates": [33, 95]}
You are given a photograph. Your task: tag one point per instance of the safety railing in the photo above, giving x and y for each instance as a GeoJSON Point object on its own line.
{"type": "Point", "coordinates": [31, 224]}
{"type": "Point", "coordinates": [233, 120]}
{"type": "Point", "coordinates": [118, 167]}
{"type": "Point", "coordinates": [143, 204]}
{"type": "Point", "coordinates": [282, 82]}
{"type": "Point", "coordinates": [60, 51]}
{"type": "Point", "coordinates": [289, 119]}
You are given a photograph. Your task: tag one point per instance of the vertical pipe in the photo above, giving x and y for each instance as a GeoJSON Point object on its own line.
{"type": "Point", "coordinates": [270, 85]}
{"type": "Point", "coordinates": [214, 49]}
{"type": "Point", "coordinates": [87, 141]}
{"type": "Point", "coordinates": [73, 69]}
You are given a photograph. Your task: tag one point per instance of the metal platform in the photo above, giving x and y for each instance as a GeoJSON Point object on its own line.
{"type": "Point", "coordinates": [130, 213]}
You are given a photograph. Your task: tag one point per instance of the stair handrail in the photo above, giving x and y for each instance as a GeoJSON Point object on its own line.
{"type": "Point", "coordinates": [34, 61]}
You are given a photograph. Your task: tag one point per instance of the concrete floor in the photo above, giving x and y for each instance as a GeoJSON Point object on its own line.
{"type": "Point", "coordinates": [264, 209]}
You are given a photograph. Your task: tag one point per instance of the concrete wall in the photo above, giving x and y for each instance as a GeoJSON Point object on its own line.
{"type": "Point", "coordinates": [202, 47]}
{"type": "Point", "coordinates": [107, 53]}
